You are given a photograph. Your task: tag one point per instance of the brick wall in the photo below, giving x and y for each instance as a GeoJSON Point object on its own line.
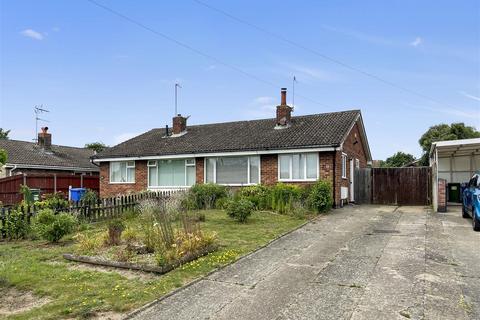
{"type": "Point", "coordinates": [199, 170]}
{"type": "Point", "coordinates": [354, 147]}
{"type": "Point", "coordinates": [268, 169]}
{"type": "Point", "coordinates": [108, 189]}
{"type": "Point", "coordinates": [442, 195]}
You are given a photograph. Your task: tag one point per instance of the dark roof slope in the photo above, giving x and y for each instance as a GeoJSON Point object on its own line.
{"type": "Point", "coordinates": [327, 129]}
{"type": "Point", "coordinates": [29, 153]}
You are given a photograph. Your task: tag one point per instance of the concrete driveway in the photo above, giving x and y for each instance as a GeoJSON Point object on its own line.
{"type": "Point", "coordinates": [360, 262]}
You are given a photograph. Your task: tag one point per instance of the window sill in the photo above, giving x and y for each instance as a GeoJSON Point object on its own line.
{"type": "Point", "coordinates": [167, 187]}
{"type": "Point", "coordinates": [297, 180]}
{"type": "Point", "coordinates": [122, 182]}
{"type": "Point", "coordinates": [236, 184]}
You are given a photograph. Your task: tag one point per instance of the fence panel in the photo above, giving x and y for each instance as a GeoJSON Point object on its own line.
{"type": "Point", "coordinates": [363, 186]}
{"type": "Point", "coordinates": [394, 186]}
{"type": "Point", "coordinates": [47, 183]}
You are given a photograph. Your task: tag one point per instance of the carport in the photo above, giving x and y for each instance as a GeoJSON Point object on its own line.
{"type": "Point", "coordinates": [453, 162]}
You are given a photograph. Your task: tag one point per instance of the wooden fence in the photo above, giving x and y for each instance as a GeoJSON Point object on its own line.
{"type": "Point", "coordinates": [47, 183]}
{"type": "Point", "coordinates": [393, 186]}
{"type": "Point", "coordinates": [101, 209]}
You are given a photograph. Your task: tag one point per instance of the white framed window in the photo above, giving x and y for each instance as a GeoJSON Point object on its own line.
{"type": "Point", "coordinates": [171, 173]}
{"type": "Point", "coordinates": [357, 164]}
{"type": "Point", "coordinates": [344, 165]}
{"type": "Point", "coordinates": [298, 167]}
{"type": "Point", "coordinates": [122, 172]}
{"type": "Point", "coordinates": [243, 170]}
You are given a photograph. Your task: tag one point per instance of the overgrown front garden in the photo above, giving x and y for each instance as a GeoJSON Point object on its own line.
{"type": "Point", "coordinates": [192, 234]}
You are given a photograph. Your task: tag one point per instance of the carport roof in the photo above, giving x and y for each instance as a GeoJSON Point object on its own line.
{"type": "Point", "coordinates": [461, 147]}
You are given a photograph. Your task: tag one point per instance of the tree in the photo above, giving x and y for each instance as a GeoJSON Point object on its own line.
{"type": "Point", "coordinates": [96, 146]}
{"type": "Point", "coordinates": [443, 132]}
{"type": "Point", "coordinates": [4, 134]}
{"type": "Point", "coordinates": [399, 159]}
{"type": "Point", "coordinates": [3, 157]}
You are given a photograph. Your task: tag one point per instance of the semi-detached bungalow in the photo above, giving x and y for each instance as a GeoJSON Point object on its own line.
{"type": "Point", "coordinates": [287, 149]}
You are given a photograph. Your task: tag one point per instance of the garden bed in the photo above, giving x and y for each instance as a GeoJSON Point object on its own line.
{"type": "Point", "coordinates": [99, 261]}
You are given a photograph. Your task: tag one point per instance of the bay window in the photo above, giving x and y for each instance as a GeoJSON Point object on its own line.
{"type": "Point", "coordinates": [171, 173]}
{"type": "Point", "coordinates": [122, 172]}
{"type": "Point", "coordinates": [233, 170]}
{"type": "Point", "coordinates": [298, 167]}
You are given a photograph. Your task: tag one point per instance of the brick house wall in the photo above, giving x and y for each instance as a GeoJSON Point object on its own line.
{"type": "Point", "coordinates": [354, 148]}
{"type": "Point", "coordinates": [108, 189]}
{"type": "Point", "coordinates": [199, 170]}
{"type": "Point", "coordinates": [268, 169]}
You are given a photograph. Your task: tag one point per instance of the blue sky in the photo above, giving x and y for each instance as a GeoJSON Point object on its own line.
{"type": "Point", "coordinates": [105, 79]}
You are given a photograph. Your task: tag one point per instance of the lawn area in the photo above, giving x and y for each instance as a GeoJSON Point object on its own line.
{"type": "Point", "coordinates": [71, 290]}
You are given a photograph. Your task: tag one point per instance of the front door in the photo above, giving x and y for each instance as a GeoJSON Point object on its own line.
{"type": "Point", "coordinates": [352, 186]}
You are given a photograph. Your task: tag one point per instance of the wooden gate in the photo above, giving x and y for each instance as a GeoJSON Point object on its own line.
{"type": "Point", "coordinates": [393, 186]}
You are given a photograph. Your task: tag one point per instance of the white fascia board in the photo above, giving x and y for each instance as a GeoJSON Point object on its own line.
{"type": "Point", "coordinates": [36, 166]}
{"type": "Point", "coordinates": [467, 143]}
{"type": "Point", "coordinates": [220, 154]}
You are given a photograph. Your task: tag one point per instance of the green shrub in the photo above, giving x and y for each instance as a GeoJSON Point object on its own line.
{"type": "Point", "coordinates": [15, 226]}
{"type": "Point", "coordinates": [239, 210]}
{"type": "Point", "coordinates": [320, 197]}
{"type": "Point", "coordinates": [90, 196]}
{"type": "Point", "coordinates": [27, 194]}
{"type": "Point", "coordinates": [222, 203]}
{"type": "Point", "coordinates": [52, 227]}
{"type": "Point", "coordinates": [283, 197]}
{"type": "Point", "coordinates": [205, 196]}
{"type": "Point", "coordinates": [55, 201]}
{"type": "Point", "coordinates": [259, 195]}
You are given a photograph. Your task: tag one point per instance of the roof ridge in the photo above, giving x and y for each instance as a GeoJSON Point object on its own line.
{"type": "Point", "coordinates": [34, 144]}
{"type": "Point", "coordinates": [263, 119]}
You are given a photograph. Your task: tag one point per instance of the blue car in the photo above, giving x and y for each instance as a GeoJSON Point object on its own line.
{"type": "Point", "coordinates": [471, 201]}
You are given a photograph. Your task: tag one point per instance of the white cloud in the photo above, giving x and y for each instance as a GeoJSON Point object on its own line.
{"type": "Point", "coordinates": [450, 111]}
{"type": "Point", "coordinates": [32, 34]}
{"type": "Point", "coordinates": [124, 137]}
{"type": "Point", "coordinates": [469, 96]}
{"type": "Point", "coordinates": [211, 67]}
{"type": "Point", "coordinates": [263, 100]}
{"type": "Point", "coordinates": [360, 35]}
{"type": "Point", "coordinates": [415, 43]}
{"type": "Point", "coordinates": [262, 107]}
{"type": "Point", "coordinates": [308, 74]}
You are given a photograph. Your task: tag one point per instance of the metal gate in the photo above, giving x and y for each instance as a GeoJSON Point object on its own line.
{"type": "Point", "coordinates": [393, 186]}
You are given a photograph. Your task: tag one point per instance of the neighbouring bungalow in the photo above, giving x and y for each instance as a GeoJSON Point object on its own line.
{"type": "Point", "coordinates": [286, 149]}
{"type": "Point", "coordinates": [43, 157]}
{"type": "Point", "coordinates": [45, 168]}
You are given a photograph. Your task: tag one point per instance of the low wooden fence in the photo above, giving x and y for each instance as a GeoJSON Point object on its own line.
{"type": "Point", "coordinates": [47, 183]}
{"type": "Point", "coordinates": [101, 209]}
{"type": "Point", "coordinates": [393, 186]}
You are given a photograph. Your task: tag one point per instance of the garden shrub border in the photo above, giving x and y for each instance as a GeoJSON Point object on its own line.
{"type": "Point", "coordinates": [134, 266]}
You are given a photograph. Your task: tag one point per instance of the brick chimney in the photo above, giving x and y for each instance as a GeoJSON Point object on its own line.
{"type": "Point", "coordinates": [284, 111]}
{"type": "Point", "coordinates": [45, 139]}
{"type": "Point", "coordinates": [179, 124]}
